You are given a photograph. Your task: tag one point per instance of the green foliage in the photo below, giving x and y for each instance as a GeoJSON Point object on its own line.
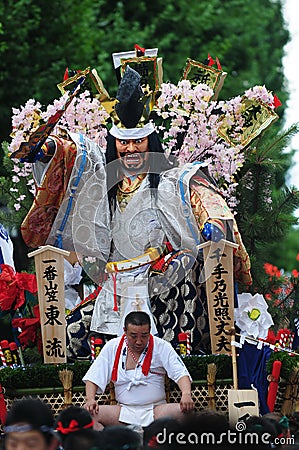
{"type": "Point", "coordinates": [38, 375]}
{"type": "Point", "coordinates": [198, 366]}
{"type": "Point", "coordinates": [288, 363]}
{"type": "Point", "coordinates": [285, 255]}
{"type": "Point", "coordinates": [266, 212]}
{"type": "Point", "coordinates": [41, 375]}
{"type": "Point", "coordinates": [47, 375]}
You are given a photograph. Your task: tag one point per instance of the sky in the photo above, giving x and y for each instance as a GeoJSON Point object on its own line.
{"type": "Point", "coordinates": [291, 70]}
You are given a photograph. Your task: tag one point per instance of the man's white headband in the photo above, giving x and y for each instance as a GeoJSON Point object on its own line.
{"type": "Point", "coordinates": [132, 133]}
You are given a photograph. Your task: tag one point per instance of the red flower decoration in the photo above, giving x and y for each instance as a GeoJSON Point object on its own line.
{"type": "Point", "coordinates": [12, 287]}
{"type": "Point", "coordinates": [271, 338]}
{"type": "Point", "coordinates": [30, 329]}
{"type": "Point", "coordinates": [272, 270]}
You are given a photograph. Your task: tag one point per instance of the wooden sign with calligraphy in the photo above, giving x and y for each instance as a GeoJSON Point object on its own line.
{"type": "Point", "coordinates": [49, 267]}
{"type": "Point", "coordinates": [218, 277]}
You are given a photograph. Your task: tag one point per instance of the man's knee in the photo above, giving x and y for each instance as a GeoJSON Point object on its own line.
{"type": "Point", "coordinates": [167, 409]}
{"type": "Point", "coordinates": [108, 415]}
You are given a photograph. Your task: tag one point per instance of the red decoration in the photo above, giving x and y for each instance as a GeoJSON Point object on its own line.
{"type": "Point", "coordinates": [211, 61]}
{"type": "Point", "coordinates": [183, 340]}
{"type": "Point", "coordinates": [66, 74]}
{"type": "Point", "coordinates": [273, 386]}
{"type": "Point", "coordinates": [276, 102]}
{"type": "Point", "coordinates": [73, 426]}
{"type": "Point", "coordinates": [12, 287]}
{"type": "Point", "coordinates": [146, 363]}
{"type": "Point", "coordinates": [30, 327]}
{"type": "Point", "coordinates": [285, 338]}
{"type": "Point", "coordinates": [271, 338]}
{"type": "Point", "coordinates": [218, 64]}
{"type": "Point", "coordinates": [2, 406]}
{"type": "Point", "coordinates": [182, 337]}
{"type": "Point", "coordinates": [139, 49]}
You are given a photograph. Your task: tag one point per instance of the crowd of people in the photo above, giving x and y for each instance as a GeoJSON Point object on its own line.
{"type": "Point", "coordinates": [137, 363]}
{"type": "Point", "coordinates": [32, 424]}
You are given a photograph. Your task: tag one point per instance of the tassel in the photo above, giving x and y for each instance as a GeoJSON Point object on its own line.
{"type": "Point", "coordinates": [115, 307]}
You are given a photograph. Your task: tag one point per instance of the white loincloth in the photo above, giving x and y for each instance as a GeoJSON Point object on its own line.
{"type": "Point", "coordinates": [137, 415]}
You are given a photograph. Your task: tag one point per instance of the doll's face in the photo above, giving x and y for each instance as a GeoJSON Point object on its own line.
{"type": "Point", "coordinates": [133, 154]}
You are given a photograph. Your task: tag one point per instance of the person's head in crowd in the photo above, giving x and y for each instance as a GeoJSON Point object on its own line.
{"type": "Point", "coordinates": [72, 419]}
{"type": "Point", "coordinates": [261, 433]}
{"type": "Point", "coordinates": [206, 429]}
{"type": "Point", "coordinates": [201, 429]}
{"type": "Point", "coordinates": [120, 437]}
{"type": "Point", "coordinates": [84, 439]}
{"type": "Point", "coordinates": [281, 424]}
{"type": "Point", "coordinates": [294, 426]}
{"type": "Point", "coordinates": [29, 425]}
{"type": "Point", "coordinates": [157, 433]}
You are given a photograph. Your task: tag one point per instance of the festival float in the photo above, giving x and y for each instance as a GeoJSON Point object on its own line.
{"type": "Point", "coordinates": [252, 361]}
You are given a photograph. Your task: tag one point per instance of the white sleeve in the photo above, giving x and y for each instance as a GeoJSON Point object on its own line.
{"type": "Point", "coordinates": [100, 370]}
{"type": "Point", "coordinates": [172, 362]}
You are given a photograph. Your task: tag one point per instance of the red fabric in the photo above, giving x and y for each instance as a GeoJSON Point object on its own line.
{"type": "Point", "coordinates": [146, 363]}
{"type": "Point", "coordinates": [30, 327]}
{"type": "Point", "coordinates": [117, 357]}
{"type": "Point", "coordinates": [276, 102]}
{"type": "Point", "coordinates": [27, 281]}
{"type": "Point", "coordinates": [211, 61]}
{"type": "Point", "coordinates": [73, 426]}
{"type": "Point", "coordinates": [12, 287]}
{"type": "Point", "coordinates": [66, 74]}
{"type": "Point", "coordinates": [139, 49]}
{"type": "Point", "coordinates": [93, 294]}
{"type": "Point", "coordinates": [148, 357]}
{"type": "Point", "coordinates": [153, 442]}
{"type": "Point", "coordinates": [115, 307]}
{"type": "Point", "coordinates": [271, 338]}
{"type": "Point", "coordinates": [2, 407]}
{"type": "Point", "coordinates": [159, 265]}
{"type": "Point", "coordinates": [218, 64]}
